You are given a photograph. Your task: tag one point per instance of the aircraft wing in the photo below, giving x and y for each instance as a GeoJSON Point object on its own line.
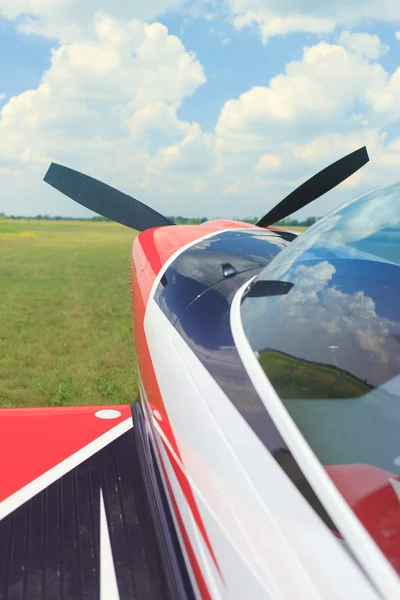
{"type": "Point", "coordinates": [75, 520]}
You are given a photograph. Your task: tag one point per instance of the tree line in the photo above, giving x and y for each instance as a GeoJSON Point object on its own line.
{"type": "Point", "coordinates": [177, 220]}
{"type": "Point", "coordinates": [284, 222]}
{"type": "Point", "coordinates": [48, 218]}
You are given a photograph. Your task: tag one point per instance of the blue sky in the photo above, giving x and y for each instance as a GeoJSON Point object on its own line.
{"type": "Point", "coordinates": [23, 59]}
{"type": "Point", "coordinates": [231, 128]}
{"type": "Point", "coordinates": [231, 69]}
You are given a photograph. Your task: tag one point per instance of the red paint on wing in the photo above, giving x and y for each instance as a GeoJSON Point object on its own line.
{"type": "Point", "coordinates": [33, 441]}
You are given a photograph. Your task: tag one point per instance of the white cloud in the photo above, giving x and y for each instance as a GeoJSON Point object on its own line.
{"type": "Point", "coordinates": [8, 171]}
{"type": "Point", "coordinates": [351, 321]}
{"type": "Point", "coordinates": [322, 148]}
{"type": "Point", "coordinates": [225, 40]}
{"type": "Point", "coordinates": [334, 314]}
{"type": "Point", "coordinates": [268, 162]}
{"type": "Point", "coordinates": [277, 17]}
{"type": "Point", "coordinates": [271, 24]}
{"type": "Point", "coordinates": [364, 44]}
{"type": "Point", "coordinates": [323, 86]}
{"type": "Point", "coordinates": [69, 20]}
{"type": "Point", "coordinates": [183, 168]}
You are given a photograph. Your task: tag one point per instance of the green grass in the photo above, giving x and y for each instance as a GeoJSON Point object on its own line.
{"type": "Point", "coordinates": [65, 321]}
{"type": "Point", "coordinates": [295, 379]}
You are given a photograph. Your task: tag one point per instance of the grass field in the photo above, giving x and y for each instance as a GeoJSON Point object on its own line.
{"type": "Point", "coordinates": [295, 378]}
{"type": "Point", "coordinates": [65, 322]}
{"type": "Point", "coordinates": [299, 228]}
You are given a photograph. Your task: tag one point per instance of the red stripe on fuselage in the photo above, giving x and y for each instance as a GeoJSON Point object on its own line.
{"type": "Point", "coordinates": [155, 402]}
{"type": "Point", "coordinates": [201, 583]}
{"type": "Point", "coordinates": [185, 486]}
{"type": "Point", "coordinates": [150, 252]}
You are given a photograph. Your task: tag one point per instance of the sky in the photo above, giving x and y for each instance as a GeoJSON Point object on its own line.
{"type": "Point", "coordinates": [197, 108]}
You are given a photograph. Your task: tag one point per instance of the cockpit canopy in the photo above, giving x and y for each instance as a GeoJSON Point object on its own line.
{"type": "Point", "coordinates": [324, 321]}
{"type": "Point", "coordinates": [337, 309]}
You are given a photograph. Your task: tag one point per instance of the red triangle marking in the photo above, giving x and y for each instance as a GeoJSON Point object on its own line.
{"type": "Point", "coordinates": [32, 441]}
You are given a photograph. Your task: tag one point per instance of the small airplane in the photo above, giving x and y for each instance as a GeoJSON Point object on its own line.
{"type": "Point", "coordinates": [262, 459]}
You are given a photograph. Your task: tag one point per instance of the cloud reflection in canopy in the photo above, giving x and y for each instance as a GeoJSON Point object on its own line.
{"type": "Point", "coordinates": [343, 309]}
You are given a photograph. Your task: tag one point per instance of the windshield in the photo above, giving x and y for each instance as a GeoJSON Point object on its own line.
{"type": "Point", "coordinates": [328, 338]}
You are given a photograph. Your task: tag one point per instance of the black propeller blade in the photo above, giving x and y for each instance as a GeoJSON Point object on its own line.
{"type": "Point", "coordinates": [103, 199]}
{"type": "Point", "coordinates": [316, 186]}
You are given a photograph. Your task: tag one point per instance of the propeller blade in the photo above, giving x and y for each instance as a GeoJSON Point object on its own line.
{"type": "Point", "coordinates": [316, 186]}
{"type": "Point", "coordinates": [104, 199]}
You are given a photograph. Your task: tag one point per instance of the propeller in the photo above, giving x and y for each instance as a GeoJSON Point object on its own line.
{"type": "Point", "coordinates": [104, 199]}
{"type": "Point", "coordinates": [316, 186]}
